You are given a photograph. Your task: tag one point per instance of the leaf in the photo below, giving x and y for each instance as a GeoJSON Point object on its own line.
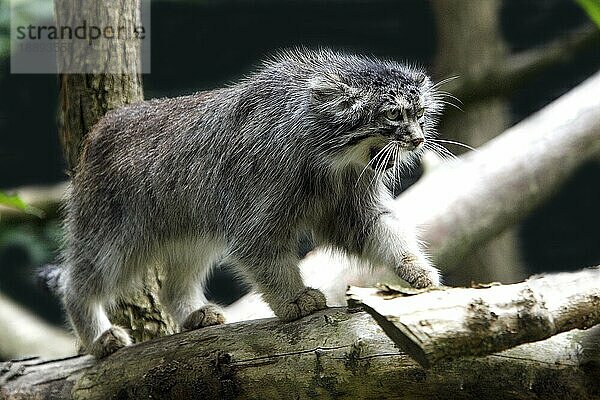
{"type": "Point", "coordinates": [592, 8]}
{"type": "Point", "coordinates": [14, 201]}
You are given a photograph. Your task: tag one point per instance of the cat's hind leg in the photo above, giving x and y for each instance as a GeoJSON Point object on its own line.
{"type": "Point", "coordinates": [84, 300]}
{"type": "Point", "coordinates": [187, 266]}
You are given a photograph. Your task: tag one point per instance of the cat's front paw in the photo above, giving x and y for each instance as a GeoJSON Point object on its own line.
{"type": "Point", "coordinates": [426, 279]}
{"type": "Point", "coordinates": [307, 302]}
{"type": "Point", "coordinates": [420, 273]}
{"type": "Point", "coordinates": [110, 341]}
{"type": "Point", "coordinates": [208, 315]}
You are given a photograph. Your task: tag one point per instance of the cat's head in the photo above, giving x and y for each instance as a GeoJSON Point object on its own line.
{"type": "Point", "coordinates": [378, 113]}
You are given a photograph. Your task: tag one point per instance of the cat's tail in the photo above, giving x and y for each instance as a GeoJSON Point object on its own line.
{"type": "Point", "coordinates": [50, 278]}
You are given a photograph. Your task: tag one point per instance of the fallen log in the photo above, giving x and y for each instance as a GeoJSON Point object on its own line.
{"type": "Point", "coordinates": [331, 354]}
{"type": "Point", "coordinates": [438, 324]}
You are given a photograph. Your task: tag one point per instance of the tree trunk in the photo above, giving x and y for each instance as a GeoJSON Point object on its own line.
{"type": "Point", "coordinates": [84, 99]}
{"type": "Point", "coordinates": [478, 24]}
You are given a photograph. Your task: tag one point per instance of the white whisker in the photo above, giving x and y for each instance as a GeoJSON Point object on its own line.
{"type": "Point", "coordinates": [380, 169]}
{"type": "Point", "coordinates": [454, 143]}
{"type": "Point", "coordinates": [441, 151]}
{"type": "Point", "coordinates": [396, 171]}
{"type": "Point", "coordinates": [387, 159]}
{"type": "Point", "coordinates": [444, 81]}
{"type": "Point", "coordinates": [450, 104]}
{"type": "Point", "coordinates": [449, 95]}
{"type": "Point", "coordinates": [371, 161]}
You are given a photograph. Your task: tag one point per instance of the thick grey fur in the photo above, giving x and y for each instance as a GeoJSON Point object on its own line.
{"type": "Point", "coordinates": [238, 174]}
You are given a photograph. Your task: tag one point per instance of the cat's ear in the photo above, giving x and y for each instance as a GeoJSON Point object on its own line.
{"type": "Point", "coordinates": [328, 92]}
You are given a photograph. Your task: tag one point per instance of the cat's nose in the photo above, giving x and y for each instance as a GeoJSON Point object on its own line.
{"type": "Point", "coordinates": [414, 136]}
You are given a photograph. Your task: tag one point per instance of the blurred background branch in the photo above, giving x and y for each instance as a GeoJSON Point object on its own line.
{"type": "Point", "coordinates": [47, 199]}
{"type": "Point", "coordinates": [510, 72]}
{"type": "Point", "coordinates": [24, 334]}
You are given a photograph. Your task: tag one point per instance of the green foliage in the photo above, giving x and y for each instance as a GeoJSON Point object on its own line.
{"type": "Point", "coordinates": [592, 8]}
{"type": "Point", "coordinates": [14, 201]}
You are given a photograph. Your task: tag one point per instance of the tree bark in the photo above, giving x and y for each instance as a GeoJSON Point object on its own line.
{"type": "Point", "coordinates": [84, 99]}
{"type": "Point", "coordinates": [433, 325]}
{"type": "Point", "coordinates": [331, 354]}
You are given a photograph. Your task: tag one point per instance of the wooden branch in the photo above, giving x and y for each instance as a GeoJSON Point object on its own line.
{"type": "Point", "coordinates": [503, 78]}
{"type": "Point", "coordinates": [442, 324]}
{"type": "Point", "coordinates": [331, 354]}
{"type": "Point", "coordinates": [24, 334]}
{"type": "Point", "coordinates": [463, 204]}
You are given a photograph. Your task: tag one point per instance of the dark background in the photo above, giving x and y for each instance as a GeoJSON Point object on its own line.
{"type": "Point", "coordinates": [202, 45]}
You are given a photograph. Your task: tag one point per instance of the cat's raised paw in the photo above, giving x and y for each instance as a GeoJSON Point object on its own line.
{"type": "Point", "coordinates": [419, 272]}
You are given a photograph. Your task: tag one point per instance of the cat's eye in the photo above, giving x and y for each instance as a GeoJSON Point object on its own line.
{"type": "Point", "coordinates": [420, 113]}
{"type": "Point", "coordinates": [393, 115]}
